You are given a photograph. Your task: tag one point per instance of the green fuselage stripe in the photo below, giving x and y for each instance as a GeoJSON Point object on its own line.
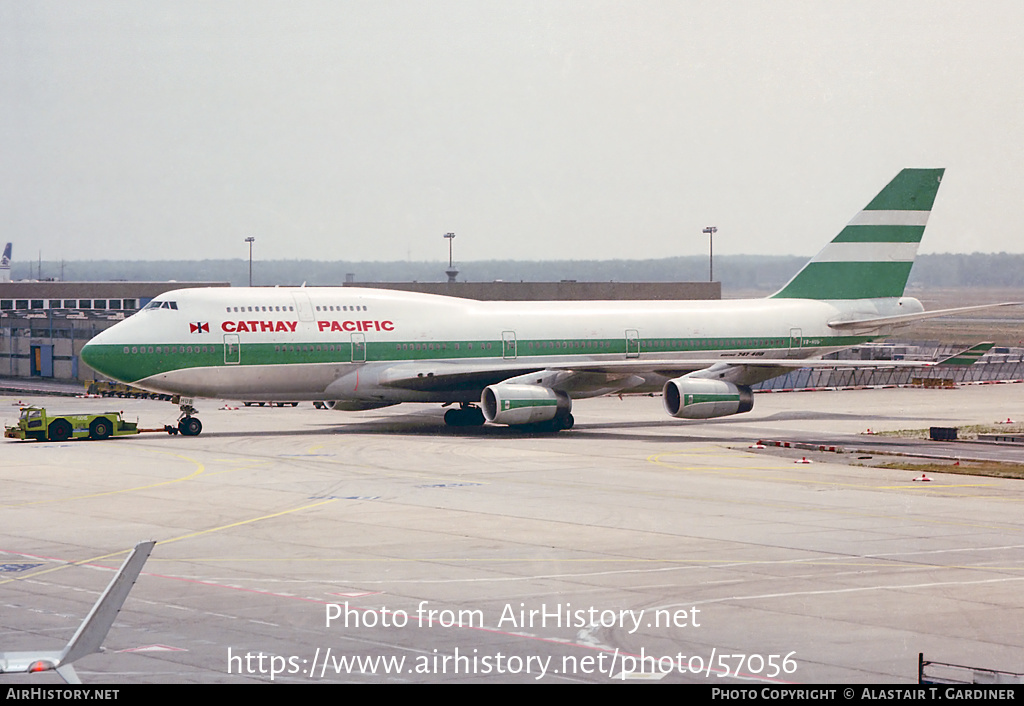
{"type": "Point", "coordinates": [144, 361]}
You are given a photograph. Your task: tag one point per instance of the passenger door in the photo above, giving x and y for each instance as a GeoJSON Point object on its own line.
{"type": "Point", "coordinates": [508, 345]}
{"type": "Point", "coordinates": [232, 349]}
{"type": "Point", "coordinates": [358, 348]}
{"type": "Point", "coordinates": [632, 343]}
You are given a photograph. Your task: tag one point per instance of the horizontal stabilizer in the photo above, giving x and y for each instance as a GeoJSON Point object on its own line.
{"type": "Point", "coordinates": [879, 321]}
{"type": "Point", "coordinates": [969, 356]}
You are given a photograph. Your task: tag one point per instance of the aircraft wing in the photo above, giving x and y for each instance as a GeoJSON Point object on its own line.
{"type": "Point", "coordinates": [430, 375]}
{"type": "Point", "coordinates": [93, 630]}
{"type": "Point", "coordinates": [591, 378]}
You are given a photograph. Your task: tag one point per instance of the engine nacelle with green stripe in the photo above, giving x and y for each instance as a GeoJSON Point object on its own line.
{"type": "Point", "coordinates": [697, 398]}
{"type": "Point", "coordinates": [512, 403]}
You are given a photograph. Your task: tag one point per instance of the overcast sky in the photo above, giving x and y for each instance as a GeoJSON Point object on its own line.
{"type": "Point", "coordinates": [533, 130]}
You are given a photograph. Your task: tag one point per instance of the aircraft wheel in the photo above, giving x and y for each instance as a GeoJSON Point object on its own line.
{"type": "Point", "coordinates": [59, 430]}
{"type": "Point", "coordinates": [190, 426]}
{"type": "Point", "coordinates": [552, 426]}
{"type": "Point", "coordinates": [100, 428]}
{"type": "Point", "coordinates": [464, 417]}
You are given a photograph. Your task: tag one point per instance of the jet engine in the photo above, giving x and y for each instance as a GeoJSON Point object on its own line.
{"type": "Point", "coordinates": [513, 403]}
{"type": "Point", "coordinates": [699, 398]}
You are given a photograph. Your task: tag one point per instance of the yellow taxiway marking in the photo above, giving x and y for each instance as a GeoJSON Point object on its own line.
{"type": "Point", "coordinates": [251, 520]}
{"type": "Point", "coordinates": [179, 538]}
{"type": "Point", "coordinates": [200, 469]}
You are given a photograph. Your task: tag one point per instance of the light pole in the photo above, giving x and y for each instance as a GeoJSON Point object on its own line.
{"type": "Point", "coordinates": [711, 230]}
{"type": "Point", "coordinates": [451, 271]}
{"type": "Point", "coordinates": [250, 240]}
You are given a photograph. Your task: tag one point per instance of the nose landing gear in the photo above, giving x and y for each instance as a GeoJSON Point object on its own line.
{"type": "Point", "coordinates": [188, 425]}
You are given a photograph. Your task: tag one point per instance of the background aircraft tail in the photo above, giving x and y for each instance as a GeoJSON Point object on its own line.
{"type": "Point", "coordinates": [5, 264]}
{"type": "Point", "coordinates": [872, 256]}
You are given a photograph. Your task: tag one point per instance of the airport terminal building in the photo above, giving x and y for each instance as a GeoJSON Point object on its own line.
{"type": "Point", "coordinates": [43, 325]}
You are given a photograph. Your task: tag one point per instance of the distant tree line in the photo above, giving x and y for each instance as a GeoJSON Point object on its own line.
{"type": "Point", "coordinates": [735, 271]}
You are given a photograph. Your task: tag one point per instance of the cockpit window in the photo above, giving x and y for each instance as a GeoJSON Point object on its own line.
{"type": "Point", "coordinates": [157, 304]}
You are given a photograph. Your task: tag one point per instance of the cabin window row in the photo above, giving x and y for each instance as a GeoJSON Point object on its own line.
{"type": "Point", "coordinates": [311, 349]}
{"type": "Point", "coordinates": [570, 344]}
{"type": "Point", "coordinates": [341, 308]}
{"type": "Point", "coordinates": [244, 309]}
{"type": "Point", "coordinates": [440, 346]}
{"type": "Point", "coordinates": [169, 349]}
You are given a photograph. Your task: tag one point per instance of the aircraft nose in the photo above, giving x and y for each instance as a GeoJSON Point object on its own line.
{"type": "Point", "coordinates": [104, 356]}
{"type": "Point", "coordinates": [91, 356]}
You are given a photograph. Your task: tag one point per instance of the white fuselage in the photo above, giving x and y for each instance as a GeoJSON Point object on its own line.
{"type": "Point", "coordinates": [347, 343]}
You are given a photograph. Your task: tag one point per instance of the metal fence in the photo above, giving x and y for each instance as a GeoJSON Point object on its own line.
{"type": "Point", "coordinates": [992, 367]}
{"type": "Point", "coordinates": [932, 672]}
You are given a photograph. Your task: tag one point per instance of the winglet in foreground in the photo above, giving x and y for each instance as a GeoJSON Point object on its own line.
{"type": "Point", "coordinates": [91, 633]}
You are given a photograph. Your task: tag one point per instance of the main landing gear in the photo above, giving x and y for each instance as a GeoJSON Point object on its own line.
{"type": "Point", "coordinates": [561, 423]}
{"type": "Point", "coordinates": [466, 416]}
{"type": "Point", "coordinates": [472, 416]}
{"type": "Point", "coordinates": [555, 425]}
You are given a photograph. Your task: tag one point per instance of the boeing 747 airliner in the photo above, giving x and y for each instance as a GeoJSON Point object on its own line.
{"type": "Point", "coordinates": [522, 363]}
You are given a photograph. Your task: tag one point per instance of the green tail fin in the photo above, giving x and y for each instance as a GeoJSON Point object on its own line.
{"type": "Point", "coordinates": [872, 256]}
